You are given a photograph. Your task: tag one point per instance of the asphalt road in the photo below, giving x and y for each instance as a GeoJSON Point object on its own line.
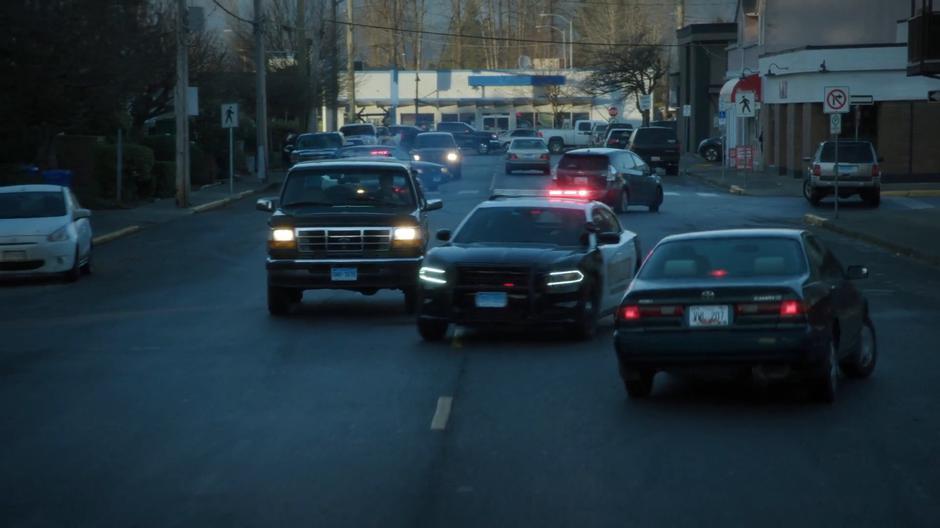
{"type": "Point", "coordinates": [158, 392]}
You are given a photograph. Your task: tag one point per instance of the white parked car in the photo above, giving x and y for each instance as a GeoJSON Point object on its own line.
{"type": "Point", "coordinates": [43, 230]}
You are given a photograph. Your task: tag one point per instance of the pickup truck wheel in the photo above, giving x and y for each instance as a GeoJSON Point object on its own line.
{"type": "Point", "coordinates": [279, 300]}
{"type": "Point", "coordinates": [654, 207]}
{"type": "Point", "coordinates": [432, 330]}
{"type": "Point", "coordinates": [811, 194]}
{"type": "Point", "coordinates": [872, 197]}
{"type": "Point", "coordinates": [556, 146]}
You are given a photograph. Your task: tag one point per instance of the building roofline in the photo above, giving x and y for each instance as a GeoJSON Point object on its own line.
{"type": "Point", "coordinates": [835, 47]}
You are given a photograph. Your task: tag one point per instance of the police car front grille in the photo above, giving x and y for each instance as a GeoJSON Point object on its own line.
{"type": "Point", "coordinates": [335, 240]}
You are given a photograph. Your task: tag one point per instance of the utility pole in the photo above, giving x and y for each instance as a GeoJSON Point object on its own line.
{"type": "Point", "coordinates": [261, 87]}
{"type": "Point", "coordinates": [306, 122]}
{"type": "Point", "coordinates": [458, 63]}
{"type": "Point", "coordinates": [180, 105]}
{"type": "Point", "coordinates": [350, 66]}
{"type": "Point", "coordinates": [333, 79]}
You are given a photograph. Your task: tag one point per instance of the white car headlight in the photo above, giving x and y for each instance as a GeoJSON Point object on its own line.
{"type": "Point", "coordinates": [417, 157]}
{"type": "Point", "coordinates": [59, 234]}
{"type": "Point", "coordinates": [452, 156]}
{"type": "Point", "coordinates": [562, 278]}
{"type": "Point", "coordinates": [406, 233]}
{"type": "Point", "coordinates": [282, 235]}
{"type": "Point", "coordinates": [431, 275]}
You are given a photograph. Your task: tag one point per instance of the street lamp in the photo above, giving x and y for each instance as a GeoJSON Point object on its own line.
{"type": "Point", "coordinates": [570, 36]}
{"type": "Point", "coordinates": [564, 59]}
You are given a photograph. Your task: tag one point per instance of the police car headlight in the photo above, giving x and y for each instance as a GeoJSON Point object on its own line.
{"type": "Point", "coordinates": [416, 157]}
{"type": "Point", "coordinates": [563, 278]}
{"type": "Point", "coordinates": [431, 276]}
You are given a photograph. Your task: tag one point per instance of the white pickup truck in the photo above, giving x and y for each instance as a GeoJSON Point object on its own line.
{"type": "Point", "coordinates": [559, 139]}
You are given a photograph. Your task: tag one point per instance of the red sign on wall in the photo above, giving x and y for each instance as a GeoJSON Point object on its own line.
{"type": "Point", "coordinates": [744, 157]}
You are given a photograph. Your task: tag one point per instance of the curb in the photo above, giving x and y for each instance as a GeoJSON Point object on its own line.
{"type": "Point", "coordinates": [924, 193]}
{"type": "Point", "coordinates": [221, 202]}
{"type": "Point", "coordinates": [114, 235]}
{"type": "Point", "coordinates": [737, 190]}
{"type": "Point", "coordinates": [825, 223]}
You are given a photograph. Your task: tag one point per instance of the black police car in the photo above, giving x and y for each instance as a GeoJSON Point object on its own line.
{"type": "Point", "coordinates": [775, 303]}
{"type": "Point", "coordinates": [527, 261]}
{"type": "Point", "coordinates": [348, 225]}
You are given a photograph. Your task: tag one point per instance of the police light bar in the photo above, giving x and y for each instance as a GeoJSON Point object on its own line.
{"type": "Point", "coordinates": [569, 193]}
{"type": "Point", "coordinates": [517, 193]}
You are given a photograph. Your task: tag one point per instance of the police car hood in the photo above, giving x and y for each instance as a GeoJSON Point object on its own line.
{"type": "Point", "coordinates": [471, 255]}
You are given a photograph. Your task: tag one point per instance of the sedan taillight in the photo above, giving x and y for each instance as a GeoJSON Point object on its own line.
{"type": "Point", "coordinates": [875, 171]}
{"type": "Point", "coordinates": [512, 156]}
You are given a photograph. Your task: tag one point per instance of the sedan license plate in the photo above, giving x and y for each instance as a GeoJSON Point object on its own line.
{"type": "Point", "coordinates": [492, 300]}
{"type": "Point", "coordinates": [343, 274]}
{"type": "Point", "coordinates": [14, 256]}
{"type": "Point", "coordinates": [709, 316]}
{"type": "Point", "coordinates": [655, 158]}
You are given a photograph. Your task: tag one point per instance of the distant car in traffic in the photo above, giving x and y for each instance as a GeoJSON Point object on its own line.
{"type": "Point", "coordinates": [710, 149]}
{"type": "Point", "coordinates": [528, 153]}
{"type": "Point", "coordinates": [315, 146]}
{"type": "Point", "coordinates": [667, 123]}
{"type": "Point", "coordinates": [618, 138]}
{"type": "Point", "coordinates": [527, 261]}
{"type": "Point", "coordinates": [43, 231]}
{"type": "Point", "coordinates": [357, 225]}
{"type": "Point", "coordinates": [618, 178]}
{"type": "Point", "coordinates": [360, 130]}
{"type": "Point", "coordinates": [859, 172]}
{"type": "Point", "coordinates": [431, 175]}
{"type": "Point", "coordinates": [441, 148]}
{"type": "Point", "coordinates": [506, 137]}
{"type": "Point", "coordinates": [404, 134]}
{"type": "Point", "coordinates": [658, 146]}
{"type": "Point", "coordinates": [468, 137]}
{"type": "Point", "coordinates": [775, 303]}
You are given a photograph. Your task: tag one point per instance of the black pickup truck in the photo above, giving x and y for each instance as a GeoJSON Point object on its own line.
{"type": "Point", "coordinates": [347, 225]}
{"type": "Point", "coordinates": [470, 138]}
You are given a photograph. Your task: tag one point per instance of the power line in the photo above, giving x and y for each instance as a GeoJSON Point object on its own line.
{"type": "Point", "coordinates": [231, 14]}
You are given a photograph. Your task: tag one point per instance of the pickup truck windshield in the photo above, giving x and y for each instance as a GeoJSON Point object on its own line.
{"type": "Point", "coordinates": [435, 141]}
{"type": "Point", "coordinates": [317, 141]}
{"type": "Point", "coordinates": [523, 225]}
{"type": "Point", "coordinates": [348, 187]}
{"type": "Point", "coordinates": [725, 258]}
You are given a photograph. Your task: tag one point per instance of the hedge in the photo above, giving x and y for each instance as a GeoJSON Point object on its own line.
{"type": "Point", "coordinates": [164, 177]}
{"type": "Point", "coordinates": [137, 180]}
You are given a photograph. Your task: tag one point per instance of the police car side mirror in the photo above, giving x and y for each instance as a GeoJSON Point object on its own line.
{"type": "Point", "coordinates": [856, 272]}
{"type": "Point", "coordinates": [434, 205]}
{"type": "Point", "coordinates": [591, 227]}
{"type": "Point", "coordinates": [443, 235]}
{"type": "Point", "coordinates": [608, 239]}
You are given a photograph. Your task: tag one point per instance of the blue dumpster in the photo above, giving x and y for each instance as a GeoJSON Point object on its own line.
{"type": "Point", "coordinates": [57, 177]}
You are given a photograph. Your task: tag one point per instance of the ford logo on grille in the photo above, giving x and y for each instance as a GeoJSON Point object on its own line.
{"type": "Point", "coordinates": [708, 294]}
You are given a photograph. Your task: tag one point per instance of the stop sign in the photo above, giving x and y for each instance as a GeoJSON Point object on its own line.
{"type": "Point", "coordinates": [613, 111]}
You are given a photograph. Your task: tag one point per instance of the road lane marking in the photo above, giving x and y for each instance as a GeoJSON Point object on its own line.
{"type": "Point", "coordinates": [707, 195]}
{"type": "Point", "coordinates": [457, 342]}
{"type": "Point", "coordinates": [469, 191]}
{"type": "Point", "coordinates": [442, 413]}
{"type": "Point", "coordinates": [910, 203]}
{"type": "Point", "coordinates": [671, 193]}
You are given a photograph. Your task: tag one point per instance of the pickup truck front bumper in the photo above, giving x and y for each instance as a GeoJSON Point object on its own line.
{"type": "Point", "coordinates": [317, 274]}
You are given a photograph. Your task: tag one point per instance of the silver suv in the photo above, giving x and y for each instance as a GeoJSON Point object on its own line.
{"type": "Point", "coordinates": [859, 172]}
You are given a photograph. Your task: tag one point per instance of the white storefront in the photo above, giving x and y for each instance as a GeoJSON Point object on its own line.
{"type": "Point", "coordinates": [457, 95]}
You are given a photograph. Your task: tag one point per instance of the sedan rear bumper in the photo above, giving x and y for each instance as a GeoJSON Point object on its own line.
{"type": "Point", "coordinates": [795, 346]}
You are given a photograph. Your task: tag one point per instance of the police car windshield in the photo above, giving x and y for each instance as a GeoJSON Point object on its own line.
{"type": "Point", "coordinates": [515, 226]}
{"type": "Point", "coordinates": [348, 187]}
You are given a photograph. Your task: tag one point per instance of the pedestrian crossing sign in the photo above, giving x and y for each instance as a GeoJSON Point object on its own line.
{"type": "Point", "coordinates": [230, 115]}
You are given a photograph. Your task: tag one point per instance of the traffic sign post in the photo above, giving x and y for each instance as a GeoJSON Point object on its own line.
{"type": "Point", "coordinates": [230, 121]}
{"type": "Point", "coordinates": [835, 124]}
{"type": "Point", "coordinates": [613, 111]}
{"type": "Point", "coordinates": [686, 110]}
{"type": "Point", "coordinates": [745, 104]}
{"type": "Point", "coordinates": [646, 102]}
{"type": "Point", "coordinates": [836, 101]}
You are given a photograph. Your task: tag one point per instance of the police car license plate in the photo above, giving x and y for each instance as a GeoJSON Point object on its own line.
{"type": "Point", "coordinates": [344, 274]}
{"type": "Point", "coordinates": [492, 299]}
{"type": "Point", "coordinates": [709, 316]}
{"type": "Point", "coordinates": [14, 256]}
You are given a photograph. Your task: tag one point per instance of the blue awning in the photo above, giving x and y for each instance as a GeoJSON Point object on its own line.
{"type": "Point", "coordinates": [516, 80]}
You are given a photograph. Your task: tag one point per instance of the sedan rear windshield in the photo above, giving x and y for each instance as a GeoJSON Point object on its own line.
{"type": "Point", "coordinates": [514, 226]}
{"type": "Point", "coordinates": [533, 144]}
{"type": "Point", "coordinates": [722, 258]}
{"type": "Point", "coordinates": [654, 136]}
{"type": "Point", "coordinates": [348, 187]}
{"type": "Point", "coordinates": [435, 141]}
{"type": "Point", "coordinates": [40, 204]}
{"type": "Point", "coordinates": [848, 153]}
{"type": "Point", "coordinates": [317, 141]}
{"type": "Point", "coordinates": [585, 163]}
{"type": "Point", "coordinates": [358, 130]}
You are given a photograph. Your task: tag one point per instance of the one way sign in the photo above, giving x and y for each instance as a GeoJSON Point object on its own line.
{"type": "Point", "coordinates": [933, 96]}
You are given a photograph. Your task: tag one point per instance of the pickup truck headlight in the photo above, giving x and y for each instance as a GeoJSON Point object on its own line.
{"type": "Point", "coordinates": [416, 157]}
{"type": "Point", "coordinates": [282, 238]}
{"type": "Point", "coordinates": [432, 276]}
{"type": "Point", "coordinates": [452, 156]}
{"type": "Point", "coordinates": [563, 278]}
{"type": "Point", "coordinates": [406, 236]}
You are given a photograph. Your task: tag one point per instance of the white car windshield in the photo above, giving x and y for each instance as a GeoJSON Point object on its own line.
{"type": "Point", "coordinates": [32, 204]}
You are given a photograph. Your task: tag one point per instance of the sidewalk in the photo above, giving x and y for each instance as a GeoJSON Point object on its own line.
{"type": "Point", "coordinates": [111, 224]}
{"type": "Point", "coordinates": [910, 233]}
{"type": "Point", "coordinates": [769, 183]}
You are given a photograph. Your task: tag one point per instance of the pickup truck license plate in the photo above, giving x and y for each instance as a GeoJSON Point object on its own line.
{"type": "Point", "coordinates": [344, 274]}
{"type": "Point", "coordinates": [14, 256]}
{"type": "Point", "coordinates": [655, 158]}
{"type": "Point", "coordinates": [492, 300]}
{"type": "Point", "coordinates": [580, 180]}
{"type": "Point", "coordinates": [709, 316]}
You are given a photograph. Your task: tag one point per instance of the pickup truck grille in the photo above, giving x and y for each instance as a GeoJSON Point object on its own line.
{"type": "Point", "coordinates": [333, 240]}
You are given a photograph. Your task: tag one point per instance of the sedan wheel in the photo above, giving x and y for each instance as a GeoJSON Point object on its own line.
{"type": "Point", "coordinates": [862, 361]}
{"type": "Point", "coordinates": [654, 207]}
{"type": "Point", "coordinates": [638, 383]}
{"type": "Point", "coordinates": [73, 274]}
{"type": "Point", "coordinates": [828, 382]}
{"type": "Point", "coordinates": [432, 330]}
{"type": "Point", "coordinates": [711, 154]}
{"type": "Point", "coordinates": [624, 202]}
{"type": "Point", "coordinates": [86, 267]}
